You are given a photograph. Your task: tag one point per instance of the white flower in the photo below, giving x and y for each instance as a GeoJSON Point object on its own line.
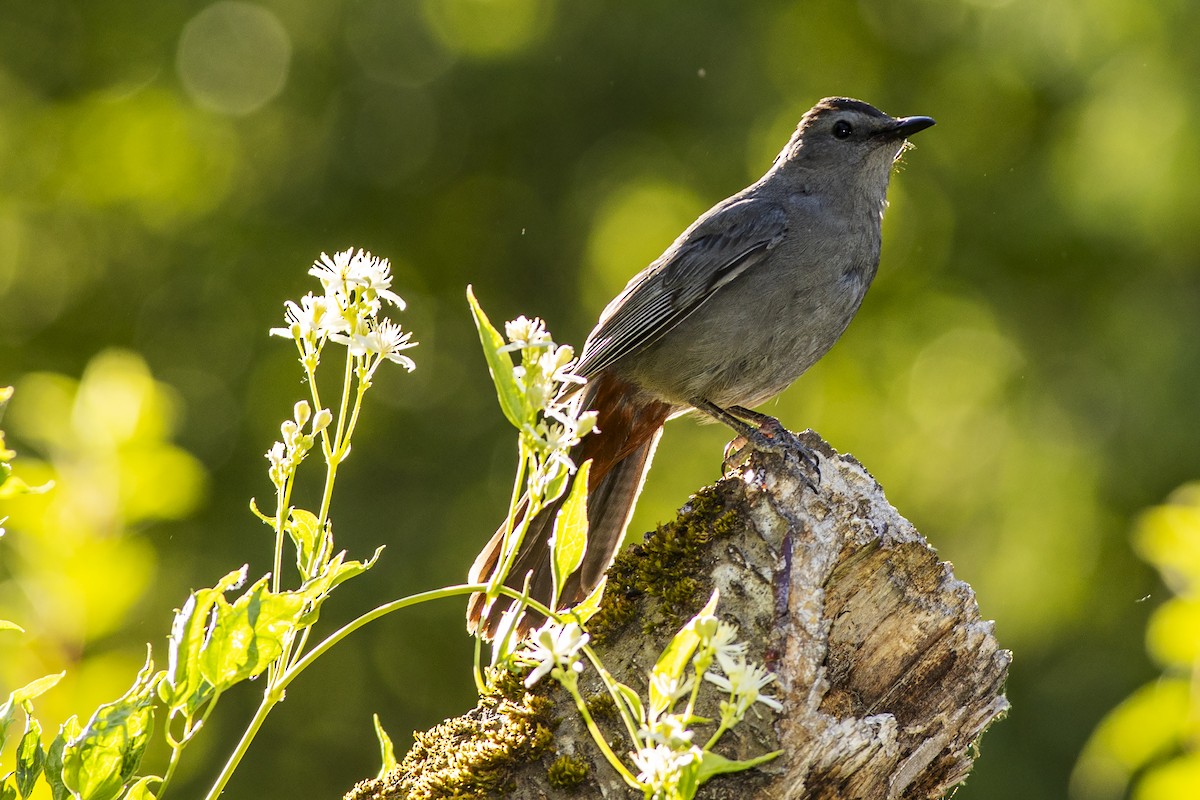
{"type": "Point", "coordinates": [726, 647]}
{"type": "Point", "coordinates": [671, 730]}
{"type": "Point", "coordinates": [523, 332]}
{"type": "Point", "coordinates": [669, 687]}
{"type": "Point", "coordinates": [314, 318]}
{"type": "Point", "coordinates": [386, 339]}
{"type": "Point", "coordinates": [744, 684]}
{"type": "Point", "coordinates": [374, 277]}
{"type": "Point", "coordinates": [660, 767]}
{"type": "Point", "coordinates": [555, 646]}
{"type": "Point", "coordinates": [347, 271]}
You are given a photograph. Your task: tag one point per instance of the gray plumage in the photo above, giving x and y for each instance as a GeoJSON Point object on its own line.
{"type": "Point", "coordinates": [749, 297]}
{"type": "Point", "coordinates": [762, 284]}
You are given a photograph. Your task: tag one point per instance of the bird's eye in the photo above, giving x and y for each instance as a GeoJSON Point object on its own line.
{"type": "Point", "coordinates": [842, 129]}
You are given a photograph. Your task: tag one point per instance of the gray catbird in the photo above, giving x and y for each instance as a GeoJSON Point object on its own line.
{"type": "Point", "coordinates": [736, 309]}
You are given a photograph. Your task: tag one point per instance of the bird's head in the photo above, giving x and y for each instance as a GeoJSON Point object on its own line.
{"type": "Point", "coordinates": [848, 141]}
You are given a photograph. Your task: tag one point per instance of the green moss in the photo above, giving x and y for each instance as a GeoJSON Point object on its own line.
{"type": "Point", "coordinates": [664, 568]}
{"type": "Point", "coordinates": [602, 707]}
{"type": "Point", "coordinates": [474, 756]}
{"type": "Point", "coordinates": [567, 772]}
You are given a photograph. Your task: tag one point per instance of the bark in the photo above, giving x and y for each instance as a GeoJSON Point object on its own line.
{"type": "Point", "coordinates": [887, 674]}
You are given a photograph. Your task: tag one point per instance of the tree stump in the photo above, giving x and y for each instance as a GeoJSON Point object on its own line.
{"type": "Point", "coordinates": [887, 675]}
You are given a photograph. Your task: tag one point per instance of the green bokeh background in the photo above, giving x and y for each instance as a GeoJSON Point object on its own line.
{"type": "Point", "coordinates": [1022, 379]}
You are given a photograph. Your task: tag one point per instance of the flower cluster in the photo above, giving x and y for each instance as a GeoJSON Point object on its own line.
{"type": "Point", "coordinates": [355, 285]}
{"type": "Point", "coordinates": [671, 765]}
{"type": "Point", "coordinates": [663, 768]}
{"type": "Point", "coordinates": [554, 649]}
{"type": "Point", "coordinates": [555, 420]}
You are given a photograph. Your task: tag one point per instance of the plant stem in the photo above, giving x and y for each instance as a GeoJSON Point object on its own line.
{"type": "Point", "coordinates": [271, 696]}
{"type": "Point", "coordinates": [610, 683]}
{"type": "Point", "coordinates": [601, 742]}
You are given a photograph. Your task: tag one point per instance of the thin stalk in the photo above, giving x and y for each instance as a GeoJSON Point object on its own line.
{"type": "Point", "coordinates": [601, 742]}
{"type": "Point", "coordinates": [610, 683]}
{"type": "Point", "coordinates": [334, 458]}
{"type": "Point", "coordinates": [271, 697]}
{"type": "Point", "coordinates": [364, 383]}
{"type": "Point", "coordinates": [476, 671]}
{"type": "Point", "coordinates": [508, 547]}
{"type": "Point", "coordinates": [176, 752]}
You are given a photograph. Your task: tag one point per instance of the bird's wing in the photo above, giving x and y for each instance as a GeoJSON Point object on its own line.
{"type": "Point", "coordinates": [722, 245]}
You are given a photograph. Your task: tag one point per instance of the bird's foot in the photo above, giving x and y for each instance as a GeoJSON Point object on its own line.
{"type": "Point", "coordinates": [762, 433]}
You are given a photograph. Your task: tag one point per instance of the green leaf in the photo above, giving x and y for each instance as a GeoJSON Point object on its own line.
{"type": "Point", "coordinates": [140, 790]}
{"type": "Point", "coordinates": [588, 607]}
{"type": "Point", "coordinates": [632, 702]}
{"type": "Point", "coordinates": [54, 764]}
{"type": "Point", "coordinates": [387, 751]}
{"type": "Point", "coordinates": [31, 758]}
{"type": "Point", "coordinates": [713, 764]}
{"type": "Point", "coordinates": [569, 541]}
{"type": "Point", "coordinates": [675, 658]}
{"type": "Point", "coordinates": [7, 790]}
{"type": "Point", "coordinates": [104, 756]}
{"type": "Point", "coordinates": [512, 399]}
{"type": "Point", "coordinates": [247, 635]}
{"type": "Point", "coordinates": [186, 689]}
{"type": "Point", "coordinates": [35, 688]}
{"type": "Point", "coordinates": [307, 534]}
{"type": "Point", "coordinates": [8, 711]}
{"type": "Point", "coordinates": [316, 590]}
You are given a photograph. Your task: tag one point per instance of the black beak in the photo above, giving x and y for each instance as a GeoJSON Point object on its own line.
{"type": "Point", "coordinates": [906, 127]}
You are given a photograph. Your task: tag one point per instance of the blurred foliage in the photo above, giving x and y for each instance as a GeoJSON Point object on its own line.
{"type": "Point", "coordinates": [1023, 377]}
{"type": "Point", "coordinates": [78, 561]}
{"type": "Point", "coordinates": [1155, 733]}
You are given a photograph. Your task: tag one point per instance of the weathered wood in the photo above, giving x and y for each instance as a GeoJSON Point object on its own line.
{"type": "Point", "coordinates": [887, 674]}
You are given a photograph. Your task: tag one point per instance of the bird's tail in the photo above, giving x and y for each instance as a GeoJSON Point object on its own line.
{"type": "Point", "coordinates": [628, 429]}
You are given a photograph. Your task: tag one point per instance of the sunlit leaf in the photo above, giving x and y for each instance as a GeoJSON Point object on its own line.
{"type": "Point", "coordinates": [246, 636]}
{"type": "Point", "coordinates": [306, 532]}
{"type": "Point", "coordinates": [35, 688]}
{"type": "Point", "coordinates": [140, 790]}
{"type": "Point", "coordinates": [336, 572]}
{"type": "Point", "coordinates": [569, 542]}
{"type": "Point", "coordinates": [8, 625]}
{"type": "Point", "coordinates": [387, 751]}
{"type": "Point", "coordinates": [512, 401]}
{"type": "Point", "coordinates": [104, 756]}
{"type": "Point", "coordinates": [20, 697]}
{"type": "Point", "coordinates": [7, 790]}
{"type": "Point", "coordinates": [713, 764]}
{"type": "Point", "coordinates": [54, 758]}
{"type": "Point", "coordinates": [186, 688]}
{"type": "Point", "coordinates": [631, 701]}
{"type": "Point", "coordinates": [587, 608]}
{"type": "Point", "coordinates": [31, 758]}
{"type": "Point", "coordinates": [677, 655]}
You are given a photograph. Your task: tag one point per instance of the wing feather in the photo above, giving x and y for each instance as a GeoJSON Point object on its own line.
{"type": "Point", "coordinates": [719, 247]}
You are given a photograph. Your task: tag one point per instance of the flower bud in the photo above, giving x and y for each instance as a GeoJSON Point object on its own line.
{"type": "Point", "coordinates": [302, 412]}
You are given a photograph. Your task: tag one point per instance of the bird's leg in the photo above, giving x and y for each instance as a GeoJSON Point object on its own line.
{"type": "Point", "coordinates": [759, 432]}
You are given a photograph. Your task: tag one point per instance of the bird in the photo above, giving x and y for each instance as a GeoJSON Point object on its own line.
{"type": "Point", "coordinates": [741, 304]}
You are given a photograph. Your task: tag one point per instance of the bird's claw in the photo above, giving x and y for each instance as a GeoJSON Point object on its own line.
{"type": "Point", "coordinates": [771, 437]}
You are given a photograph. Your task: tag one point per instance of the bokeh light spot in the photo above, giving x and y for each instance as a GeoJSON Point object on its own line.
{"type": "Point", "coordinates": [392, 43]}
{"type": "Point", "coordinates": [489, 28]}
{"type": "Point", "coordinates": [632, 228]}
{"type": "Point", "coordinates": [234, 57]}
